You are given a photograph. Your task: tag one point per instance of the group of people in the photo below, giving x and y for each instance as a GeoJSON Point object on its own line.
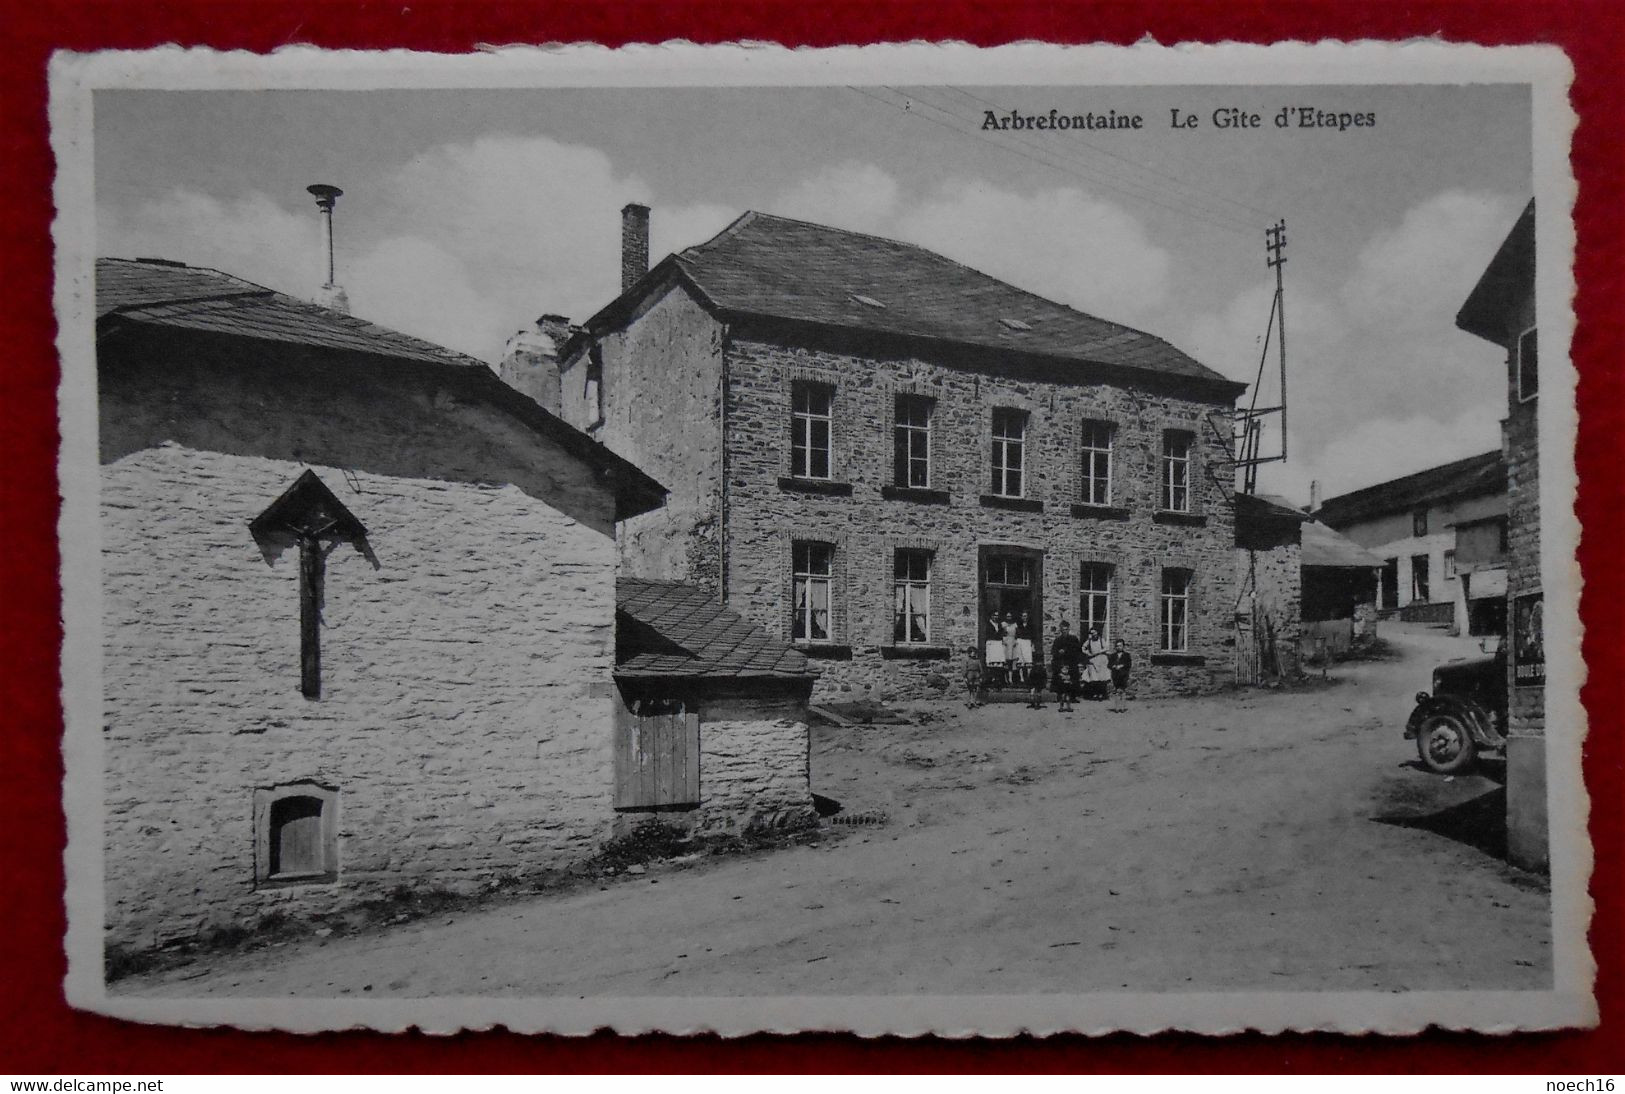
{"type": "Point", "coordinates": [1079, 668]}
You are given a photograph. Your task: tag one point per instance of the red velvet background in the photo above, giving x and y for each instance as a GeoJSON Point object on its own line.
{"type": "Point", "coordinates": [39, 1034]}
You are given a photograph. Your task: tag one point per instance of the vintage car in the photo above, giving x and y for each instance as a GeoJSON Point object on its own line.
{"type": "Point", "coordinates": [1464, 716]}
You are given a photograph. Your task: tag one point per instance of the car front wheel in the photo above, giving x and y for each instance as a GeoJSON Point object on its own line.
{"type": "Point", "coordinates": [1444, 744]}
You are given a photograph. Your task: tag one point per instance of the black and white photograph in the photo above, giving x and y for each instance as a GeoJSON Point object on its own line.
{"type": "Point", "coordinates": [901, 540]}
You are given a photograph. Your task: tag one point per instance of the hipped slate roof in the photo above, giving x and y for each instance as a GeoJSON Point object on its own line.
{"type": "Point", "coordinates": [1324, 546]}
{"type": "Point", "coordinates": [668, 629]}
{"type": "Point", "coordinates": [1469, 478]}
{"type": "Point", "coordinates": [772, 267]}
{"type": "Point", "coordinates": [171, 296]}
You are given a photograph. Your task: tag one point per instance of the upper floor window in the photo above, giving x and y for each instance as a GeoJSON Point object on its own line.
{"type": "Point", "coordinates": [911, 579]}
{"type": "Point", "coordinates": [1419, 523]}
{"type": "Point", "coordinates": [1097, 463]}
{"type": "Point", "coordinates": [911, 434]}
{"type": "Point", "coordinates": [811, 414]}
{"type": "Point", "coordinates": [812, 590]}
{"type": "Point", "coordinates": [1009, 451]}
{"type": "Point", "coordinates": [1528, 366]}
{"type": "Point", "coordinates": [1174, 631]}
{"type": "Point", "coordinates": [1176, 471]}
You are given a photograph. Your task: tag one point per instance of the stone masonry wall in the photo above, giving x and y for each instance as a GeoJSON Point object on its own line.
{"type": "Point", "coordinates": [754, 764]}
{"type": "Point", "coordinates": [1528, 704]}
{"type": "Point", "coordinates": [1274, 579]}
{"type": "Point", "coordinates": [662, 379]}
{"type": "Point", "coordinates": [765, 516]}
{"type": "Point", "coordinates": [458, 653]}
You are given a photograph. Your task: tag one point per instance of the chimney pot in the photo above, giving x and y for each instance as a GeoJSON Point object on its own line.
{"type": "Point", "coordinates": [634, 244]}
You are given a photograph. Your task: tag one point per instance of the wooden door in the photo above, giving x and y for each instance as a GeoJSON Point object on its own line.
{"type": "Point", "coordinates": [657, 755]}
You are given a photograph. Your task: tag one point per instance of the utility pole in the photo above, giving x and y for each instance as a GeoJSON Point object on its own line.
{"type": "Point", "coordinates": [1275, 244]}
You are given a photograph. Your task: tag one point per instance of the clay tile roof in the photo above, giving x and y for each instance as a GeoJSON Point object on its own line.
{"type": "Point", "coordinates": [774, 267]}
{"type": "Point", "coordinates": [1473, 477]}
{"type": "Point", "coordinates": [158, 292]}
{"type": "Point", "coordinates": [666, 628]}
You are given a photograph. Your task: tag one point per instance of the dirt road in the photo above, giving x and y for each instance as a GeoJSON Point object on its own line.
{"type": "Point", "coordinates": [1258, 840]}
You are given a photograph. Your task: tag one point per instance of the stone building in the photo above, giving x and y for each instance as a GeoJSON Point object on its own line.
{"type": "Point", "coordinates": [1303, 590]}
{"type": "Point", "coordinates": [711, 727]}
{"type": "Point", "coordinates": [357, 611]}
{"type": "Point", "coordinates": [1441, 536]}
{"type": "Point", "coordinates": [872, 449]}
{"type": "Point", "coordinates": [1501, 310]}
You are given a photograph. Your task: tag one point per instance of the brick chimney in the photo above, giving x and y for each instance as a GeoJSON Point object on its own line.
{"type": "Point", "coordinates": [1314, 495]}
{"type": "Point", "coordinates": [634, 244]}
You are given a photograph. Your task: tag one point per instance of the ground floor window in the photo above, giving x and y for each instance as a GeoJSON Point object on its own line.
{"type": "Point", "coordinates": [296, 834]}
{"type": "Point", "coordinates": [812, 591]}
{"type": "Point", "coordinates": [1419, 579]}
{"type": "Point", "coordinates": [911, 573]}
{"type": "Point", "coordinates": [1175, 611]}
{"type": "Point", "coordinates": [1095, 599]}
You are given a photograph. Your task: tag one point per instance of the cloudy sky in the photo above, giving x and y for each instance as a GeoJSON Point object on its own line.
{"type": "Point", "coordinates": [468, 213]}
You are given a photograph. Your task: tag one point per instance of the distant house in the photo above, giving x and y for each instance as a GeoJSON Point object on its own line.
{"type": "Point", "coordinates": [1501, 310]}
{"type": "Point", "coordinates": [874, 450]}
{"type": "Point", "coordinates": [1442, 538]}
{"type": "Point", "coordinates": [357, 610]}
{"type": "Point", "coordinates": [711, 723]}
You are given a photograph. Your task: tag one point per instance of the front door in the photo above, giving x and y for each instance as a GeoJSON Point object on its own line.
{"type": "Point", "coordinates": [1012, 583]}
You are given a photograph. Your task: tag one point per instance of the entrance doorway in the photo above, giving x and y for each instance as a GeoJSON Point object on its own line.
{"type": "Point", "coordinates": [1011, 584]}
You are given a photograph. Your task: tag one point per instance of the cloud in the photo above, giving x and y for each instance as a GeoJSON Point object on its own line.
{"type": "Point", "coordinates": [1381, 383]}
{"type": "Point", "coordinates": [462, 246]}
{"type": "Point", "coordinates": [1061, 243]}
{"type": "Point", "coordinates": [1379, 449]}
{"type": "Point", "coordinates": [252, 237]}
{"type": "Point", "coordinates": [1423, 268]}
{"type": "Point", "coordinates": [857, 196]}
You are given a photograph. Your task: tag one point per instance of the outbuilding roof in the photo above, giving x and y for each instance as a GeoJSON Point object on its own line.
{"type": "Point", "coordinates": [1472, 477]}
{"type": "Point", "coordinates": [773, 267]}
{"type": "Point", "coordinates": [171, 294]}
{"type": "Point", "coordinates": [160, 295]}
{"type": "Point", "coordinates": [1327, 547]}
{"type": "Point", "coordinates": [669, 629]}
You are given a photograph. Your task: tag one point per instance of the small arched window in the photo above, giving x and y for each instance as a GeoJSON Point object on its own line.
{"type": "Point", "coordinates": [296, 834]}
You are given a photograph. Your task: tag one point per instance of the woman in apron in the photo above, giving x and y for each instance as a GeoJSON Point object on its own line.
{"type": "Point", "coordinates": [995, 651]}
{"type": "Point", "coordinates": [1096, 675]}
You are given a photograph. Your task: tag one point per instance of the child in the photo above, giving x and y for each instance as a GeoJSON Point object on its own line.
{"type": "Point", "coordinates": [1121, 664]}
{"type": "Point", "coordinates": [975, 687]}
{"type": "Point", "coordinates": [1035, 677]}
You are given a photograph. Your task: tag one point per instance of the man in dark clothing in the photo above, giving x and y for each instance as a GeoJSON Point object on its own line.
{"type": "Point", "coordinates": [1121, 664]}
{"type": "Point", "coordinates": [1066, 659]}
